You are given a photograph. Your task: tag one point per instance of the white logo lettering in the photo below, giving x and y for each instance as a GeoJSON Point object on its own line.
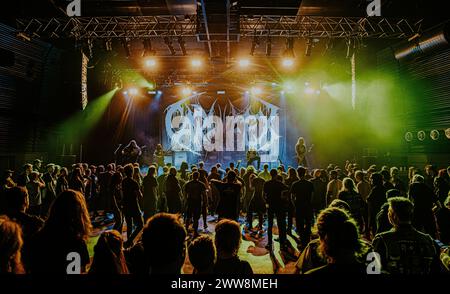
{"type": "Point", "coordinates": [74, 8]}
{"type": "Point", "coordinates": [74, 266]}
{"type": "Point", "coordinates": [374, 267]}
{"type": "Point", "coordinates": [374, 8]}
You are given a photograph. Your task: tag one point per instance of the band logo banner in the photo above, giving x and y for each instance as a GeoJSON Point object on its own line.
{"type": "Point", "coordinates": [191, 127]}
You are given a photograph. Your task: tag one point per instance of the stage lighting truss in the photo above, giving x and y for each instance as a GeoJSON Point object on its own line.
{"type": "Point", "coordinates": [250, 26]}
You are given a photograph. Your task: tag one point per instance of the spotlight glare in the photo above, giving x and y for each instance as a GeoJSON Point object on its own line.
{"type": "Point", "coordinates": [244, 63]}
{"type": "Point", "coordinates": [150, 63]}
{"type": "Point", "coordinates": [309, 90]}
{"type": "Point", "coordinates": [256, 91]}
{"type": "Point", "coordinates": [288, 62]}
{"type": "Point", "coordinates": [186, 91]}
{"type": "Point", "coordinates": [288, 87]}
{"type": "Point", "coordinates": [159, 92]}
{"type": "Point", "coordinates": [133, 91]}
{"type": "Point", "coordinates": [196, 63]}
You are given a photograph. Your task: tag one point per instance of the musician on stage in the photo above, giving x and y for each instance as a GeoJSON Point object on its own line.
{"type": "Point", "coordinates": [300, 150]}
{"type": "Point", "coordinates": [158, 155]}
{"type": "Point", "coordinates": [253, 155]}
{"type": "Point", "coordinates": [131, 152]}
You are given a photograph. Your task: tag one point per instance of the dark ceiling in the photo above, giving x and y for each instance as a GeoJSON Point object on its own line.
{"type": "Point", "coordinates": [399, 8]}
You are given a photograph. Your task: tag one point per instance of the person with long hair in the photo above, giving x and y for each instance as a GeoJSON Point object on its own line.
{"type": "Point", "coordinates": [10, 247]}
{"type": "Point", "coordinates": [65, 231]}
{"type": "Point", "coordinates": [339, 243]}
{"type": "Point", "coordinates": [131, 152]}
{"type": "Point", "coordinates": [357, 204]}
{"type": "Point", "coordinates": [109, 256]}
{"type": "Point", "coordinates": [62, 183]}
{"type": "Point", "coordinates": [76, 180]}
{"type": "Point", "coordinates": [300, 150]}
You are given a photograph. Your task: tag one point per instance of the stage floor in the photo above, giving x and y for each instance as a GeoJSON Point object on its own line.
{"type": "Point", "coordinates": [252, 248]}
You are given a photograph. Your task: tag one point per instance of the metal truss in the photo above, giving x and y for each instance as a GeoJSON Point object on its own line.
{"type": "Point", "coordinates": [81, 28]}
{"type": "Point", "coordinates": [110, 27]}
{"type": "Point", "coordinates": [327, 27]}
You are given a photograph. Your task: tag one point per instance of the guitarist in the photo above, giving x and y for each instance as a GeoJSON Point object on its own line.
{"type": "Point", "coordinates": [131, 152]}
{"type": "Point", "coordinates": [253, 155]}
{"type": "Point", "coordinates": [301, 151]}
{"type": "Point", "coordinates": [158, 155]}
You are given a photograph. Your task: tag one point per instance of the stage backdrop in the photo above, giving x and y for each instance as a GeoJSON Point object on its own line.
{"type": "Point", "coordinates": [211, 129]}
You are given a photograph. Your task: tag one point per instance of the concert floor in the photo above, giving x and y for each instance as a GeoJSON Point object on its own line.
{"type": "Point", "coordinates": [252, 248]}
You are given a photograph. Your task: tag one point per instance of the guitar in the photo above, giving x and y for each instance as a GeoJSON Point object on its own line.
{"type": "Point", "coordinates": [301, 156]}
{"type": "Point", "coordinates": [158, 156]}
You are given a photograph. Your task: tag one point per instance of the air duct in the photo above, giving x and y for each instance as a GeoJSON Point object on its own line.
{"type": "Point", "coordinates": [428, 42]}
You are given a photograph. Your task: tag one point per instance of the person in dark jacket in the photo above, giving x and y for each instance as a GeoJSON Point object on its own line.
{"type": "Point", "coordinates": [383, 223]}
{"type": "Point", "coordinates": [131, 208]}
{"type": "Point", "coordinates": [302, 192]}
{"type": "Point", "coordinates": [403, 249]}
{"type": "Point", "coordinates": [173, 192]}
{"type": "Point", "coordinates": [273, 191]}
{"type": "Point", "coordinates": [150, 187]}
{"type": "Point", "coordinates": [375, 200]}
{"type": "Point", "coordinates": [424, 200]}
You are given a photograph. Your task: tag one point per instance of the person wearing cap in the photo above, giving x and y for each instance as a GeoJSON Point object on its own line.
{"type": "Point", "coordinates": [34, 188]}
{"type": "Point", "coordinates": [7, 181]}
{"type": "Point", "coordinates": [37, 164]}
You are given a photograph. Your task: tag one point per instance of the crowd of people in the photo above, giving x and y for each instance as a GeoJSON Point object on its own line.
{"type": "Point", "coordinates": [338, 217]}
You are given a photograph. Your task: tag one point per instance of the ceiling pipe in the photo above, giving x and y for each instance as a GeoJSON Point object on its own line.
{"type": "Point", "coordinates": [206, 28]}
{"type": "Point", "coordinates": [431, 41]}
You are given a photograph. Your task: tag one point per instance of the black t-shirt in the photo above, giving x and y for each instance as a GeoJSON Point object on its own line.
{"type": "Point", "coordinates": [232, 266]}
{"type": "Point", "coordinates": [150, 187]}
{"type": "Point", "coordinates": [131, 192]}
{"type": "Point", "coordinates": [47, 252]}
{"type": "Point", "coordinates": [194, 192]}
{"type": "Point", "coordinates": [422, 197]}
{"type": "Point", "coordinates": [273, 191]}
{"type": "Point", "coordinates": [376, 199]}
{"type": "Point", "coordinates": [228, 206]}
{"type": "Point", "coordinates": [302, 191]}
